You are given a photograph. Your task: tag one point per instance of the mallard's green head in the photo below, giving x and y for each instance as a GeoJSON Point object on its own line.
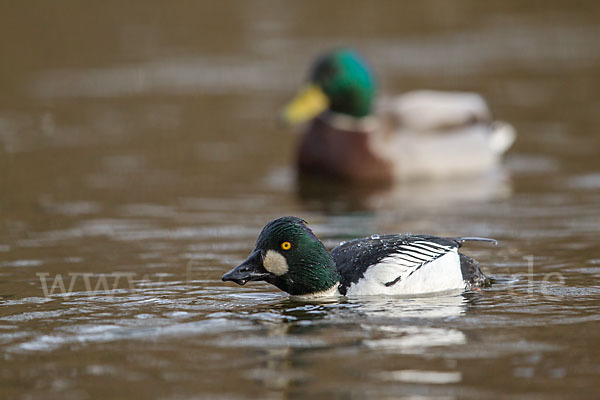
{"type": "Point", "coordinates": [288, 255]}
{"type": "Point", "coordinates": [340, 81]}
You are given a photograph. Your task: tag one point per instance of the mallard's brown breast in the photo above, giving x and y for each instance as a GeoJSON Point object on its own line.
{"type": "Point", "coordinates": [345, 154]}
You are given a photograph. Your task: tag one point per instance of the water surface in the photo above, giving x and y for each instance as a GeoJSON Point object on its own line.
{"type": "Point", "coordinates": [140, 155]}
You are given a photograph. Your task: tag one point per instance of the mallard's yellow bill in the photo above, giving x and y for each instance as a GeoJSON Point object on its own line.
{"type": "Point", "coordinates": [309, 103]}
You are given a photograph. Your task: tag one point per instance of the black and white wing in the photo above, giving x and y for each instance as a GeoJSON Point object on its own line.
{"type": "Point", "coordinates": [398, 264]}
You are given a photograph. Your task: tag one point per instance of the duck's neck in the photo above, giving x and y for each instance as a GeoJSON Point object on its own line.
{"type": "Point", "coordinates": [332, 291]}
{"type": "Point", "coordinates": [350, 123]}
{"type": "Point", "coordinates": [317, 276]}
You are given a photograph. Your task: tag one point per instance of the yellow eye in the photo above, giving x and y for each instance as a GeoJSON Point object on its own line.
{"type": "Point", "coordinates": [286, 245]}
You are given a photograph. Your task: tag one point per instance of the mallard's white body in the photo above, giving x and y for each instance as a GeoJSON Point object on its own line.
{"type": "Point", "coordinates": [431, 134]}
{"type": "Point", "coordinates": [442, 134]}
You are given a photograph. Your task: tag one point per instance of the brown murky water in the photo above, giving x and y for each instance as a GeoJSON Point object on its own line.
{"type": "Point", "coordinates": [140, 155]}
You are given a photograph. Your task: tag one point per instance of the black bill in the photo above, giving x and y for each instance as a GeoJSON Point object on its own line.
{"type": "Point", "coordinates": [250, 270]}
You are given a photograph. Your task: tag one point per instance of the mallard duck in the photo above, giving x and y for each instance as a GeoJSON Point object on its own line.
{"type": "Point", "coordinates": [420, 134]}
{"type": "Point", "coordinates": [288, 255]}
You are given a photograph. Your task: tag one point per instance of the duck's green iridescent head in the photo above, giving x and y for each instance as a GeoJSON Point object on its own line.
{"type": "Point", "coordinates": [288, 255]}
{"type": "Point", "coordinates": [340, 81]}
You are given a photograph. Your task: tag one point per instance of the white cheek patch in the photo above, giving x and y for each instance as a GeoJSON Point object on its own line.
{"type": "Point", "coordinates": [275, 263]}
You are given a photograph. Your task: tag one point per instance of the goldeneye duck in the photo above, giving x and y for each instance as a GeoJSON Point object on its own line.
{"type": "Point", "coordinates": [288, 255]}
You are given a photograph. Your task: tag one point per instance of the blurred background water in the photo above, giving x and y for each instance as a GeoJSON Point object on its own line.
{"type": "Point", "coordinates": [139, 147]}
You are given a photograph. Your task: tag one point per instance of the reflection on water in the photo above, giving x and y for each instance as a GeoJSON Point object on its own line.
{"type": "Point", "coordinates": [419, 195]}
{"type": "Point", "coordinates": [231, 315]}
{"type": "Point", "coordinates": [416, 376]}
{"type": "Point", "coordinates": [140, 156]}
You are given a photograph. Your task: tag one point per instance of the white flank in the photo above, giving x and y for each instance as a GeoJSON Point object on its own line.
{"type": "Point", "coordinates": [462, 151]}
{"type": "Point", "coordinates": [275, 263]}
{"type": "Point", "coordinates": [438, 275]}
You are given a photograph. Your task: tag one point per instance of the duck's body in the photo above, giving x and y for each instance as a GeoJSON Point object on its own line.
{"type": "Point", "coordinates": [289, 256]}
{"type": "Point", "coordinates": [421, 134]}
{"type": "Point", "coordinates": [404, 264]}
